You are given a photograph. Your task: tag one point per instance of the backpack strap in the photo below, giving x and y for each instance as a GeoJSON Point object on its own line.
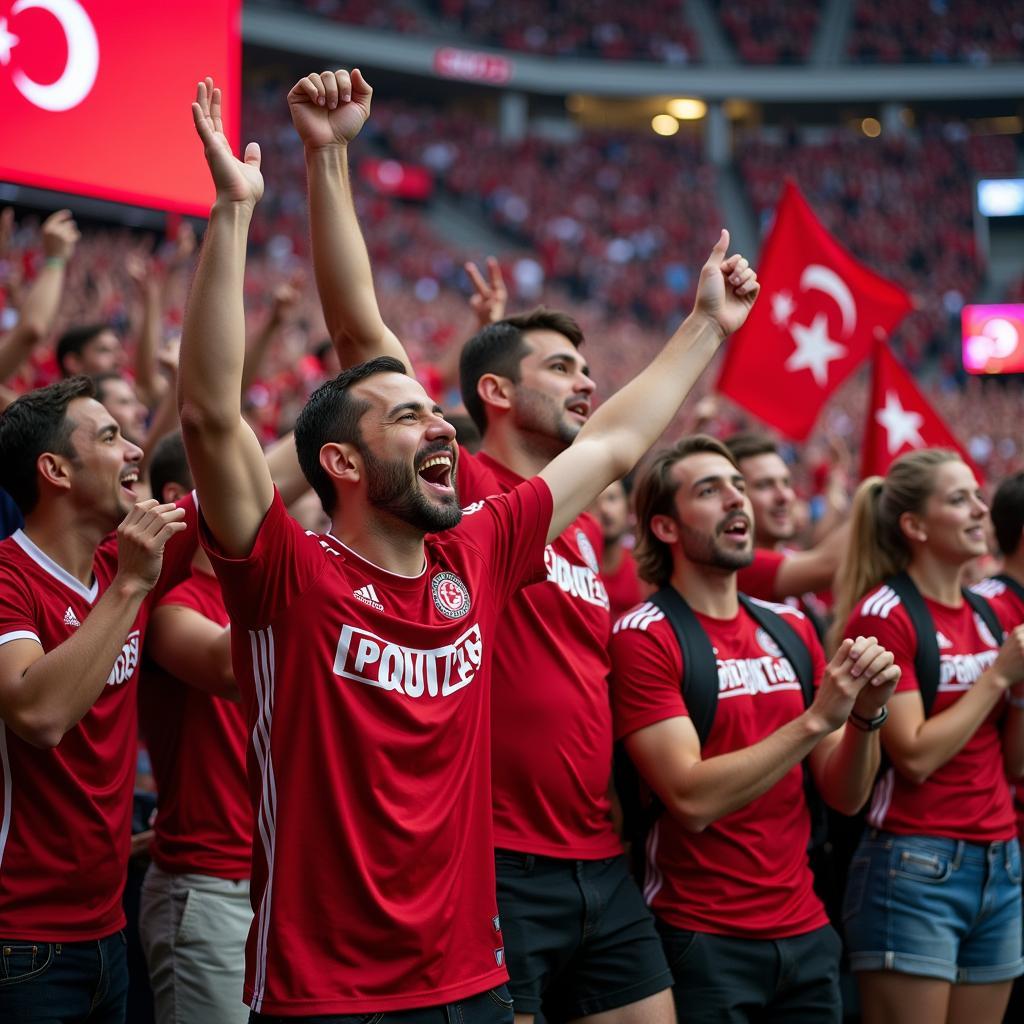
{"type": "Point", "coordinates": [986, 613]}
{"type": "Point", "coordinates": [1011, 584]}
{"type": "Point", "coordinates": [699, 681]}
{"type": "Point", "coordinates": [790, 643]}
{"type": "Point", "coordinates": [926, 655]}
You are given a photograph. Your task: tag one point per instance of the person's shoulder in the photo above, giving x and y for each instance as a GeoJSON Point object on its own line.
{"type": "Point", "coordinates": [639, 619]}
{"type": "Point", "coordinates": [882, 602]}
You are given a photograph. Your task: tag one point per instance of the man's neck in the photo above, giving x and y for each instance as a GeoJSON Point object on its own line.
{"type": "Point", "coordinates": [1014, 567]}
{"type": "Point", "coordinates": [612, 559]}
{"type": "Point", "coordinates": [515, 451]}
{"type": "Point", "coordinates": [71, 544]}
{"type": "Point", "coordinates": [385, 542]}
{"type": "Point", "coordinates": [937, 580]}
{"type": "Point", "coordinates": [707, 590]}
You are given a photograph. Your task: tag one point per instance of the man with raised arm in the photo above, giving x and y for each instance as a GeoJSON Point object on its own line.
{"type": "Point", "coordinates": [579, 940]}
{"type": "Point", "coordinates": [363, 656]}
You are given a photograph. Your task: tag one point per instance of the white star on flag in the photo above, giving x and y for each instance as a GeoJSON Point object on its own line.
{"type": "Point", "coordinates": [7, 42]}
{"type": "Point", "coordinates": [814, 349]}
{"type": "Point", "coordinates": [782, 308]}
{"type": "Point", "coordinates": [902, 426]}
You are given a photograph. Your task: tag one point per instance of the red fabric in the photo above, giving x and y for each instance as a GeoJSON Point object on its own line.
{"type": "Point", "coordinates": [367, 696]}
{"type": "Point", "coordinates": [809, 282]}
{"type": "Point", "coordinates": [968, 797]}
{"type": "Point", "coordinates": [758, 578]}
{"type": "Point", "coordinates": [624, 586]}
{"type": "Point", "coordinates": [64, 852]}
{"type": "Point", "coordinates": [747, 873]}
{"type": "Point", "coordinates": [912, 422]}
{"type": "Point", "coordinates": [154, 162]}
{"type": "Point", "coordinates": [551, 685]}
{"type": "Point", "coordinates": [197, 745]}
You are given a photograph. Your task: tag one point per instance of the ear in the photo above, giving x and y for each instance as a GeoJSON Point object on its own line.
{"type": "Point", "coordinates": [913, 527]}
{"type": "Point", "coordinates": [55, 470]}
{"type": "Point", "coordinates": [665, 528]}
{"type": "Point", "coordinates": [495, 391]}
{"type": "Point", "coordinates": [342, 462]}
{"type": "Point", "coordinates": [172, 493]}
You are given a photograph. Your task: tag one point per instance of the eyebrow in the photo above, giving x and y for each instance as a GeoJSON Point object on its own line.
{"type": "Point", "coordinates": [108, 428]}
{"type": "Point", "coordinates": [716, 477]}
{"type": "Point", "coordinates": [413, 407]}
{"type": "Point", "coordinates": [572, 357]}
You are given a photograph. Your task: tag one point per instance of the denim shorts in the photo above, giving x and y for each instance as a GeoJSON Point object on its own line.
{"type": "Point", "coordinates": [934, 907]}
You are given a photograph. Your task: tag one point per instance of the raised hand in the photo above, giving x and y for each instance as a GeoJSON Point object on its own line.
{"type": "Point", "coordinates": [489, 297]}
{"type": "Point", "coordinates": [140, 542]}
{"type": "Point", "coordinates": [60, 235]}
{"type": "Point", "coordinates": [727, 287]}
{"type": "Point", "coordinates": [330, 108]}
{"type": "Point", "coordinates": [861, 675]}
{"type": "Point", "coordinates": [237, 181]}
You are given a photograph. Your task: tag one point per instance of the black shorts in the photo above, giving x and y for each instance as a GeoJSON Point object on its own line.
{"type": "Point", "coordinates": [578, 937]}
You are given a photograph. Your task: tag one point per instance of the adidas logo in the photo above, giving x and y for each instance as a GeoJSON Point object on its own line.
{"type": "Point", "coordinates": [369, 596]}
{"type": "Point", "coordinates": [70, 618]}
{"type": "Point", "coordinates": [942, 640]}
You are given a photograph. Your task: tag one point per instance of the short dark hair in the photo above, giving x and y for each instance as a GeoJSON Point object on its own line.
{"type": "Point", "coordinates": [100, 382]}
{"type": "Point", "coordinates": [333, 415]}
{"type": "Point", "coordinates": [749, 443]}
{"type": "Point", "coordinates": [31, 425]}
{"type": "Point", "coordinates": [655, 496]}
{"type": "Point", "coordinates": [169, 465]}
{"type": "Point", "coordinates": [74, 341]}
{"type": "Point", "coordinates": [1008, 513]}
{"type": "Point", "coordinates": [499, 348]}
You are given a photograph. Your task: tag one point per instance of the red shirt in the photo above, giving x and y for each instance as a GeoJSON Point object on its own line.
{"type": "Point", "coordinates": [197, 745]}
{"type": "Point", "coordinates": [623, 585]}
{"type": "Point", "coordinates": [552, 723]}
{"type": "Point", "coordinates": [968, 797]}
{"type": "Point", "coordinates": [367, 697]}
{"type": "Point", "coordinates": [758, 578]}
{"type": "Point", "coordinates": [66, 821]}
{"type": "Point", "coordinates": [747, 873]}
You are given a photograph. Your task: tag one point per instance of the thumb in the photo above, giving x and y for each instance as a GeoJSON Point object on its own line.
{"type": "Point", "coordinates": [359, 84]}
{"type": "Point", "coordinates": [252, 155]}
{"type": "Point", "coordinates": [843, 653]}
{"type": "Point", "coordinates": [720, 249]}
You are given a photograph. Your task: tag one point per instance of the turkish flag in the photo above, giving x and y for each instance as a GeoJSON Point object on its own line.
{"type": "Point", "coordinates": [95, 96]}
{"type": "Point", "coordinates": [900, 419]}
{"type": "Point", "coordinates": [818, 315]}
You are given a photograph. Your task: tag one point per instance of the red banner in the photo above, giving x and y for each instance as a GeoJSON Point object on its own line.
{"type": "Point", "coordinates": [817, 317]}
{"type": "Point", "coordinates": [473, 66]}
{"type": "Point", "coordinates": [95, 96]}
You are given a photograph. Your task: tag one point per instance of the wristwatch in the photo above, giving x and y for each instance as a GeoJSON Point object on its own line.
{"type": "Point", "coordinates": [868, 724]}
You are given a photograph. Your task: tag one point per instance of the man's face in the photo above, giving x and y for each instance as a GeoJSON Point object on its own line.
{"type": "Point", "coordinates": [772, 496]}
{"type": "Point", "coordinates": [105, 466]}
{"type": "Point", "coordinates": [612, 511]}
{"type": "Point", "coordinates": [409, 454]}
{"type": "Point", "coordinates": [121, 401]}
{"type": "Point", "coordinates": [102, 354]}
{"type": "Point", "coordinates": [713, 512]}
{"type": "Point", "coordinates": [551, 402]}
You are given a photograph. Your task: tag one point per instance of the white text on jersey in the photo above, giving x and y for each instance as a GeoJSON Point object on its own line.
{"type": "Point", "coordinates": [576, 580]}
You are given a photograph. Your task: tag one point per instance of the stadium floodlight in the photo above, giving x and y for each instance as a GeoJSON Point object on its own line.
{"type": "Point", "coordinates": [687, 109]}
{"type": "Point", "coordinates": [1001, 197]}
{"type": "Point", "coordinates": [664, 124]}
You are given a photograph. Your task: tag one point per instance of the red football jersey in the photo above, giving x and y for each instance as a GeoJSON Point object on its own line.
{"type": "Point", "coordinates": [67, 812]}
{"type": "Point", "coordinates": [746, 874]}
{"type": "Point", "coordinates": [624, 585]}
{"type": "Point", "coordinates": [758, 578]}
{"type": "Point", "coordinates": [968, 797]}
{"type": "Point", "coordinates": [367, 696]}
{"type": "Point", "coordinates": [197, 744]}
{"type": "Point", "coordinates": [552, 729]}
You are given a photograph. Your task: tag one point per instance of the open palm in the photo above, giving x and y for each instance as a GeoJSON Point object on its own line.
{"type": "Point", "coordinates": [238, 181]}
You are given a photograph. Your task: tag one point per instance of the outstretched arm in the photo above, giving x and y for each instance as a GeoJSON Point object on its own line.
{"type": "Point", "coordinates": [230, 472]}
{"type": "Point", "coordinates": [328, 110]}
{"type": "Point", "coordinates": [624, 427]}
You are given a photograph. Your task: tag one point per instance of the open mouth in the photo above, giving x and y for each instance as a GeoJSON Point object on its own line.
{"type": "Point", "coordinates": [738, 529]}
{"type": "Point", "coordinates": [129, 480]}
{"type": "Point", "coordinates": [436, 472]}
{"type": "Point", "coordinates": [976, 533]}
{"type": "Point", "coordinates": [579, 407]}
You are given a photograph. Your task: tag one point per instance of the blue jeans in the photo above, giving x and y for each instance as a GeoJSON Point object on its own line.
{"type": "Point", "coordinates": [935, 908]}
{"type": "Point", "coordinates": [63, 982]}
{"type": "Point", "coordinates": [491, 1007]}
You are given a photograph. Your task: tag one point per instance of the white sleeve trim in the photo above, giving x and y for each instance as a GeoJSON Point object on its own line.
{"type": "Point", "coordinates": [19, 634]}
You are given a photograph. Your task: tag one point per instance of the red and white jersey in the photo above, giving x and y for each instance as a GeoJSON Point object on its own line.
{"type": "Point", "coordinates": [367, 696]}
{"type": "Point", "coordinates": [197, 745]}
{"type": "Point", "coordinates": [552, 728]}
{"type": "Point", "coordinates": [746, 874]}
{"type": "Point", "coordinates": [66, 822]}
{"type": "Point", "coordinates": [624, 586]}
{"type": "Point", "coordinates": [758, 578]}
{"type": "Point", "coordinates": [968, 797]}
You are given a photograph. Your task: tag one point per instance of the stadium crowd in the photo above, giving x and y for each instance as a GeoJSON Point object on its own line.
{"type": "Point", "coordinates": [266, 563]}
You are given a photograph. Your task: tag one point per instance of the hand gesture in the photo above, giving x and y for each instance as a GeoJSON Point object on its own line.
{"type": "Point", "coordinates": [862, 675]}
{"type": "Point", "coordinates": [329, 109]}
{"type": "Point", "coordinates": [140, 542]}
{"type": "Point", "coordinates": [168, 356]}
{"type": "Point", "coordinates": [727, 288]}
{"type": "Point", "coordinates": [286, 298]}
{"type": "Point", "coordinates": [60, 235]}
{"type": "Point", "coordinates": [237, 181]}
{"type": "Point", "coordinates": [489, 297]}
{"type": "Point", "coordinates": [1009, 663]}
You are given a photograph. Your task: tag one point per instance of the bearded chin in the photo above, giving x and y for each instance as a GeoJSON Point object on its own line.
{"type": "Point", "coordinates": [393, 489]}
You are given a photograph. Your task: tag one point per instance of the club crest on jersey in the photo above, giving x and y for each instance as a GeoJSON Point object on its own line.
{"type": "Point", "coordinates": [767, 644]}
{"type": "Point", "coordinates": [451, 597]}
{"type": "Point", "coordinates": [586, 549]}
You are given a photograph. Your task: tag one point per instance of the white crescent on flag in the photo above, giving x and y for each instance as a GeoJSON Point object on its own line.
{"type": "Point", "coordinates": [79, 74]}
{"type": "Point", "coordinates": [826, 280]}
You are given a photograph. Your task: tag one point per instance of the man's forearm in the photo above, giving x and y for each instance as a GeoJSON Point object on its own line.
{"type": "Point", "coordinates": [35, 318]}
{"type": "Point", "coordinates": [849, 771]}
{"type": "Point", "coordinates": [344, 277]}
{"type": "Point", "coordinates": [59, 688]}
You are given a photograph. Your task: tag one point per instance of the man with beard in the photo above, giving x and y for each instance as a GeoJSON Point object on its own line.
{"type": "Point", "coordinates": [727, 872]}
{"type": "Point", "coordinates": [363, 655]}
{"type": "Point", "coordinates": [578, 939]}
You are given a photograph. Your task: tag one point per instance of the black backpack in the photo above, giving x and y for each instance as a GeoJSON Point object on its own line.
{"type": "Point", "coordinates": [699, 684]}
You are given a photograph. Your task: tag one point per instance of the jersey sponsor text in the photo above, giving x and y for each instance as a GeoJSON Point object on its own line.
{"type": "Point", "coordinates": [575, 580]}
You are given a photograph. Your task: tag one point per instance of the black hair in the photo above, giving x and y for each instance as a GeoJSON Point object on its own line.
{"type": "Point", "coordinates": [1008, 513]}
{"type": "Point", "coordinates": [35, 423]}
{"type": "Point", "coordinates": [100, 381]}
{"type": "Point", "coordinates": [169, 465]}
{"type": "Point", "coordinates": [332, 415]}
{"type": "Point", "coordinates": [74, 341]}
